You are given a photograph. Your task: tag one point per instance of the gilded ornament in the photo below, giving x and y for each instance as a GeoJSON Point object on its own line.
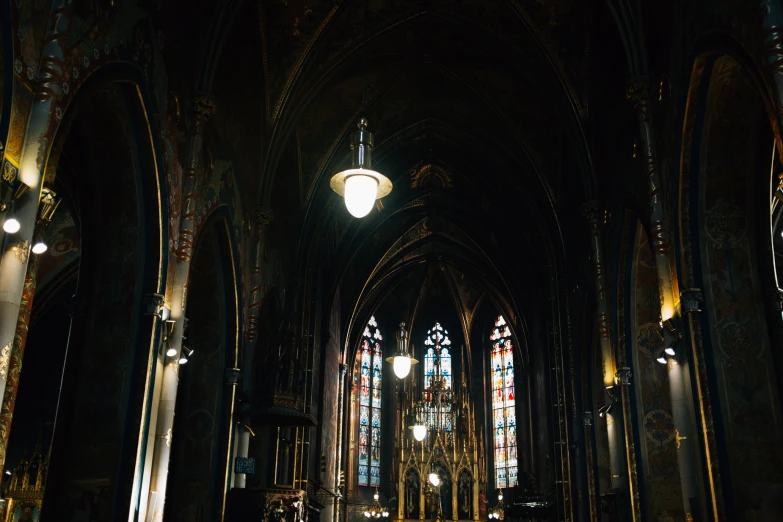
{"type": "Point", "coordinates": [21, 250]}
{"type": "Point", "coordinates": [5, 359]}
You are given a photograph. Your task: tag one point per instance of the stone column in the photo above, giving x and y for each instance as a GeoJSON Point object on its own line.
{"type": "Point", "coordinates": [243, 445]}
{"type": "Point", "coordinates": [35, 152]}
{"type": "Point", "coordinates": [772, 30]}
{"type": "Point", "coordinates": [596, 219]}
{"type": "Point", "coordinates": [454, 505]}
{"type": "Point", "coordinates": [587, 421]}
{"type": "Point", "coordinates": [624, 381]}
{"type": "Point", "coordinates": [340, 422]}
{"type": "Point", "coordinates": [263, 218]}
{"type": "Point", "coordinates": [684, 432]}
{"type": "Point", "coordinates": [639, 94]}
{"type": "Point", "coordinates": [203, 108]}
{"type": "Point", "coordinates": [12, 371]}
{"type": "Point", "coordinates": [690, 304]}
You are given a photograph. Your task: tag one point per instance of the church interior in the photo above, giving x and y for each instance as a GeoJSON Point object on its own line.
{"type": "Point", "coordinates": [348, 260]}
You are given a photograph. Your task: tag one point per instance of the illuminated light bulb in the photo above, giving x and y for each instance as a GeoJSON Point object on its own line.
{"type": "Point", "coordinates": [183, 359]}
{"type": "Point", "coordinates": [434, 479]}
{"type": "Point", "coordinates": [669, 350]}
{"type": "Point", "coordinates": [661, 359]}
{"type": "Point", "coordinates": [11, 225]}
{"type": "Point", "coordinates": [171, 352]}
{"type": "Point", "coordinates": [500, 496]}
{"type": "Point", "coordinates": [40, 247]}
{"type": "Point", "coordinates": [419, 432]}
{"type": "Point", "coordinates": [360, 193]}
{"type": "Point", "coordinates": [402, 366]}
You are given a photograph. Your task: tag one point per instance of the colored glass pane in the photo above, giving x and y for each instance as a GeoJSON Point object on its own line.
{"type": "Point", "coordinates": [371, 377]}
{"type": "Point", "coordinates": [504, 425]}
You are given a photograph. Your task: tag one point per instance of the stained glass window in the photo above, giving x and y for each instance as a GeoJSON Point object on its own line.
{"type": "Point", "coordinates": [504, 419]}
{"type": "Point", "coordinates": [371, 378]}
{"type": "Point", "coordinates": [437, 336]}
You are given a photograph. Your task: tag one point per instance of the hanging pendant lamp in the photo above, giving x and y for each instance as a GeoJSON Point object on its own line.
{"type": "Point", "coordinates": [402, 360]}
{"type": "Point", "coordinates": [360, 185]}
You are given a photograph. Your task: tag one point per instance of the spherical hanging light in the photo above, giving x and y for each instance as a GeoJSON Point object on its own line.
{"type": "Point", "coordinates": [360, 185]}
{"type": "Point", "coordinates": [402, 361]}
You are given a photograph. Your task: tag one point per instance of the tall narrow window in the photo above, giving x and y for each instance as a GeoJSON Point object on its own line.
{"type": "Point", "coordinates": [504, 419]}
{"type": "Point", "coordinates": [438, 338]}
{"type": "Point", "coordinates": [371, 368]}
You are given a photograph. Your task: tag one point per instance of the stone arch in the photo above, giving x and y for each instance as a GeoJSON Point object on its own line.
{"type": "Point", "coordinates": [200, 454]}
{"type": "Point", "coordinates": [108, 144]}
{"type": "Point", "coordinates": [725, 156]}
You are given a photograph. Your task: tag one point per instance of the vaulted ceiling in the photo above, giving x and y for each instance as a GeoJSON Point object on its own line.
{"type": "Point", "coordinates": [477, 110]}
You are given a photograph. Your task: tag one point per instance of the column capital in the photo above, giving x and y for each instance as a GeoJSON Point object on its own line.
{"type": "Point", "coordinates": [777, 299]}
{"type": "Point", "coordinates": [691, 299]}
{"type": "Point", "coordinates": [263, 217]}
{"type": "Point", "coordinates": [623, 376]}
{"type": "Point", "coordinates": [204, 106]}
{"type": "Point", "coordinates": [587, 418]}
{"type": "Point", "coordinates": [232, 376]}
{"type": "Point", "coordinates": [638, 90]}
{"type": "Point", "coordinates": [593, 213]}
{"type": "Point", "coordinates": [152, 303]}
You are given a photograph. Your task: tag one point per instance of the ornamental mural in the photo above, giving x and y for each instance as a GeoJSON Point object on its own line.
{"type": "Point", "coordinates": [657, 442]}
{"type": "Point", "coordinates": [738, 332]}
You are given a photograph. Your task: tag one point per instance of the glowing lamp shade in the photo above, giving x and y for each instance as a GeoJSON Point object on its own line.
{"type": "Point", "coordinates": [39, 248]}
{"type": "Point", "coordinates": [11, 225]}
{"type": "Point", "coordinates": [360, 193]}
{"type": "Point", "coordinates": [434, 479]}
{"type": "Point", "coordinates": [419, 432]}
{"type": "Point", "coordinates": [402, 366]}
{"type": "Point", "coordinates": [361, 185]}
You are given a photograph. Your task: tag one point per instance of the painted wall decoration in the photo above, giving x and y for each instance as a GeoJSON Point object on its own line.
{"type": "Point", "coordinates": [738, 333]}
{"type": "Point", "coordinates": [651, 380]}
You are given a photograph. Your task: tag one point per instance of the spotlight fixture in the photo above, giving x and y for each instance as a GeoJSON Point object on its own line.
{"type": "Point", "coordinates": [402, 360]}
{"type": "Point", "coordinates": [604, 410]}
{"type": "Point", "coordinates": [40, 247]}
{"type": "Point", "coordinates": [360, 185]}
{"type": "Point", "coordinates": [12, 225]}
{"type": "Point", "coordinates": [185, 356]}
{"type": "Point", "coordinates": [669, 351]}
{"type": "Point", "coordinates": [661, 359]}
{"type": "Point", "coordinates": [168, 326]}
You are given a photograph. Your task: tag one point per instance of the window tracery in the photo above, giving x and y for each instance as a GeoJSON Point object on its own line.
{"type": "Point", "coordinates": [371, 378]}
{"type": "Point", "coordinates": [504, 426]}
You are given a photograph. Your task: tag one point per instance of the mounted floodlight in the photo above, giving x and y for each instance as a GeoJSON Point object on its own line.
{"type": "Point", "coordinates": [185, 356]}
{"type": "Point", "coordinates": [669, 351]}
{"type": "Point", "coordinates": [11, 225]}
{"type": "Point", "coordinates": [360, 185]}
{"type": "Point", "coordinates": [661, 359]}
{"type": "Point", "coordinates": [40, 247]}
